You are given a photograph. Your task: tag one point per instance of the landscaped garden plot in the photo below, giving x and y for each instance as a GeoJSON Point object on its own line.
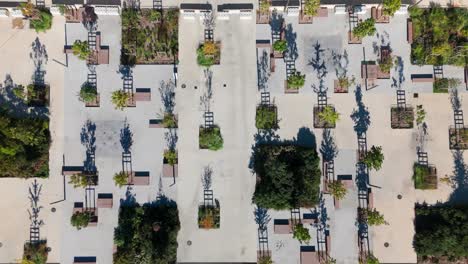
{"type": "Point", "coordinates": [325, 117]}
{"type": "Point", "coordinates": [424, 176]}
{"type": "Point", "coordinates": [458, 138]}
{"type": "Point", "coordinates": [209, 53]}
{"type": "Point", "coordinates": [209, 217]}
{"type": "Point", "coordinates": [210, 138]}
{"type": "Point", "coordinates": [149, 36]}
{"type": "Point", "coordinates": [35, 252]}
{"type": "Point", "coordinates": [266, 117]}
{"type": "Point", "coordinates": [439, 36]}
{"type": "Point", "coordinates": [402, 117]}
{"type": "Point", "coordinates": [288, 176]}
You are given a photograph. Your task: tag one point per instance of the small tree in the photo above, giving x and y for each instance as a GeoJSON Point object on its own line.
{"type": "Point", "coordinates": [88, 93]}
{"type": "Point", "coordinates": [171, 157]}
{"type": "Point", "coordinates": [386, 64]}
{"type": "Point", "coordinates": [78, 180]}
{"type": "Point", "coordinates": [265, 260]}
{"type": "Point", "coordinates": [119, 99]}
{"type": "Point", "coordinates": [311, 6]}
{"type": "Point", "coordinates": [301, 234]}
{"type": "Point", "coordinates": [337, 189]}
{"type": "Point", "coordinates": [121, 179]}
{"type": "Point", "coordinates": [80, 219]}
{"type": "Point", "coordinates": [19, 91]}
{"type": "Point", "coordinates": [296, 80]}
{"type": "Point", "coordinates": [420, 114]}
{"type": "Point", "coordinates": [280, 46]}
{"type": "Point", "coordinates": [329, 115]}
{"type": "Point", "coordinates": [42, 22]}
{"type": "Point", "coordinates": [81, 49]}
{"type": "Point", "coordinates": [375, 218]}
{"type": "Point", "coordinates": [365, 28]}
{"type": "Point", "coordinates": [374, 158]}
{"type": "Point", "coordinates": [391, 6]}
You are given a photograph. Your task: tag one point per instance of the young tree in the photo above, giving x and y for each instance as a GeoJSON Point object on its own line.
{"type": "Point", "coordinates": [121, 179]}
{"type": "Point", "coordinates": [301, 234]}
{"type": "Point", "coordinates": [80, 219]}
{"type": "Point", "coordinates": [328, 147]}
{"type": "Point", "coordinates": [365, 28]}
{"type": "Point", "coordinates": [391, 6]}
{"type": "Point", "coordinates": [280, 46]}
{"type": "Point", "coordinates": [171, 157]}
{"type": "Point", "coordinates": [81, 49]}
{"type": "Point", "coordinates": [311, 6]}
{"type": "Point", "coordinates": [329, 115]}
{"type": "Point", "coordinates": [296, 80]}
{"type": "Point", "coordinates": [374, 158]}
{"type": "Point", "coordinates": [420, 114]}
{"type": "Point", "coordinates": [337, 189]}
{"type": "Point", "coordinates": [78, 180]}
{"type": "Point", "coordinates": [88, 93]}
{"type": "Point", "coordinates": [375, 218]}
{"type": "Point", "coordinates": [119, 99]}
{"type": "Point", "coordinates": [42, 22]}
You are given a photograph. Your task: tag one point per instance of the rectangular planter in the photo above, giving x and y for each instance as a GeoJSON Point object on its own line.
{"type": "Point", "coordinates": [209, 217]}
{"type": "Point", "coordinates": [337, 88]}
{"type": "Point", "coordinates": [318, 123]}
{"type": "Point", "coordinates": [352, 39]}
{"type": "Point", "coordinates": [287, 90]}
{"type": "Point", "coordinates": [426, 179]}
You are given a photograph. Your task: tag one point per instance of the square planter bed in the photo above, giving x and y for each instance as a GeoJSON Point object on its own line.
{"type": "Point", "coordinates": [424, 177]}
{"type": "Point", "coordinates": [209, 217]}
{"type": "Point", "coordinates": [170, 170]}
{"type": "Point", "coordinates": [458, 138]}
{"type": "Point", "coordinates": [208, 60]}
{"type": "Point", "coordinates": [402, 117]}
{"type": "Point", "coordinates": [352, 39]}
{"type": "Point", "coordinates": [263, 17]}
{"type": "Point", "coordinates": [95, 103]}
{"type": "Point", "coordinates": [288, 90]}
{"type": "Point", "coordinates": [318, 122]}
{"type": "Point", "coordinates": [266, 117]}
{"type": "Point", "coordinates": [210, 138]}
{"type": "Point", "coordinates": [38, 95]}
{"type": "Point", "coordinates": [337, 88]}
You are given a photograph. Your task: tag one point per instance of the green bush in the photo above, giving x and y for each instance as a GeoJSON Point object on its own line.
{"type": "Point", "coordinates": [375, 218]}
{"type": "Point", "coordinates": [266, 117]}
{"type": "Point", "coordinates": [386, 64]}
{"type": "Point", "coordinates": [88, 93]}
{"type": "Point", "coordinates": [280, 46]}
{"type": "Point", "coordinates": [169, 120]}
{"type": "Point", "coordinates": [119, 99]}
{"type": "Point", "coordinates": [147, 234]}
{"type": "Point", "coordinates": [35, 253]}
{"type": "Point", "coordinates": [391, 6]}
{"type": "Point", "coordinates": [42, 22]}
{"type": "Point", "coordinates": [329, 115]}
{"type": "Point", "coordinates": [374, 158]}
{"type": "Point", "coordinates": [289, 176]}
{"type": "Point", "coordinates": [443, 85]}
{"type": "Point", "coordinates": [337, 189]}
{"type": "Point", "coordinates": [121, 179]}
{"type": "Point", "coordinates": [171, 157]}
{"type": "Point", "coordinates": [210, 138]}
{"type": "Point", "coordinates": [365, 28]}
{"type": "Point", "coordinates": [301, 234]}
{"type": "Point", "coordinates": [203, 59]}
{"type": "Point", "coordinates": [208, 217]}
{"type": "Point", "coordinates": [441, 231]}
{"type": "Point", "coordinates": [81, 49]}
{"type": "Point", "coordinates": [311, 7]}
{"type": "Point", "coordinates": [419, 176]}
{"type": "Point", "coordinates": [296, 80]}
{"type": "Point", "coordinates": [80, 219]}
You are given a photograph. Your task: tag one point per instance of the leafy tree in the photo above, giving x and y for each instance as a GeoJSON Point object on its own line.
{"type": "Point", "coordinates": [391, 6]}
{"type": "Point", "coordinates": [121, 178]}
{"type": "Point", "coordinates": [266, 117]}
{"type": "Point", "coordinates": [280, 46]}
{"type": "Point", "coordinates": [311, 6]}
{"type": "Point", "coordinates": [80, 219]}
{"type": "Point", "coordinates": [301, 234]}
{"type": "Point", "coordinates": [120, 99]}
{"type": "Point", "coordinates": [42, 22]}
{"type": "Point", "coordinates": [19, 92]}
{"type": "Point", "coordinates": [337, 189]}
{"type": "Point", "coordinates": [171, 157]}
{"type": "Point", "coordinates": [289, 176]}
{"type": "Point", "coordinates": [374, 158]}
{"type": "Point", "coordinates": [169, 120]}
{"type": "Point", "coordinates": [375, 218]}
{"type": "Point", "coordinates": [210, 138]}
{"type": "Point", "coordinates": [329, 115]}
{"type": "Point", "coordinates": [81, 49]}
{"type": "Point", "coordinates": [88, 93]}
{"type": "Point", "coordinates": [296, 80]}
{"type": "Point", "coordinates": [78, 180]}
{"type": "Point", "coordinates": [365, 28]}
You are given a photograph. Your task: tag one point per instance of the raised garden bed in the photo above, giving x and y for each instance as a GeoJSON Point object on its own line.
{"type": "Point", "coordinates": [424, 177]}
{"type": "Point", "coordinates": [149, 36]}
{"type": "Point", "coordinates": [263, 17]}
{"type": "Point", "coordinates": [458, 138]}
{"type": "Point", "coordinates": [320, 122]}
{"type": "Point", "coordinates": [210, 138]}
{"type": "Point", "coordinates": [209, 53]}
{"type": "Point", "coordinates": [170, 163]}
{"type": "Point", "coordinates": [266, 117]}
{"type": "Point", "coordinates": [38, 95]}
{"type": "Point", "coordinates": [35, 252]}
{"type": "Point", "coordinates": [95, 103]}
{"type": "Point", "coordinates": [353, 39]}
{"type": "Point", "coordinates": [209, 217]}
{"type": "Point", "coordinates": [339, 88]}
{"type": "Point", "coordinates": [289, 90]}
{"type": "Point", "coordinates": [305, 19]}
{"type": "Point", "coordinates": [402, 117]}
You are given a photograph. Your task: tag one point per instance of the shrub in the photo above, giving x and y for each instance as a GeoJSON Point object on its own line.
{"type": "Point", "coordinates": [420, 173]}
{"type": "Point", "coordinates": [35, 253]}
{"type": "Point", "coordinates": [443, 85]}
{"type": "Point", "coordinates": [88, 93]}
{"type": "Point", "coordinates": [365, 28]}
{"type": "Point", "coordinates": [264, 6]}
{"type": "Point", "coordinates": [147, 233]}
{"type": "Point", "coordinates": [119, 99]}
{"type": "Point", "coordinates": [266, 117]}
{"type": "Point", "coordinates": [345, 82]}
{"type": "Point", "coordinates": [169, 120]}
{"type": "Point", "coordinates": [78, 180]}
{"type": "Point", "coordinates": [301, 234]}
{"type": "Point", "coordinates": [280, 46]}
{"type": "Point", "coordinates": [311, 6]}
{"type": "Point", "coordinates": [208, 217]}
{"type": "Point", "coordinates": [371, 259]}
{"type": "Point", "coordinates": [171, 157]}
{"type": "Point", "coordinates": [81, 49]}
{"type": "Point", "coordinates": [337, 189]}
{"type": "Point", "coordinates": [391, 6]}
{"type": "Point", "coordinates": [296, 80]}
{"type": "Point", "coordinates": [209, 48]}
{"type": "Point", "coordinates": [80, 219]}
{"type": "Point", "coordinates": [121, 178]}
{"type": "Point", "coordinates": [154, 15]}
{"type": "Point", "coordinates": [207, 54]}
{"type": "Point", "coordinates": [210, 138]}
{"type": "Point", "coordinates": [374, 158]}
{"type": "Point", "coordinates": [386, 64]}
{"type": "Point", "coordinates": [42, 22]}
{"type": "Point", "coordinates": [265, 260]}
{"type": "Point", "coordinates": [289, 176]}
{"type": "Point", "coordinates": [329, 115]}
{"type": "Point", "coordinates": [375, 218]}
{"type": "Point", "coordinates": [19, 92]}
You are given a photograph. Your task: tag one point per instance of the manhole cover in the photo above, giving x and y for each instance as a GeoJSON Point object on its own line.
{"type": "Point", "coordinates": [195, 87]}
{"type": "Point", "coordinates": [53, 209]}
{"type": "Point", "coordinates": [183, 85]}
{"type": "Point", "coordinates": [49, 249]}
{"type": "Point", "coordinates": [386, 244]}
{"type": "Point", "coordinates": [189, 242]}
{"type": "Point", "coordinates": [399, 197]}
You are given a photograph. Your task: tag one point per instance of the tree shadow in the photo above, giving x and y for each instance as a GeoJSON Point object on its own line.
{"type": "Point", "coordinates": [362, 176]}
{"type": "Point", "coordinates": [263, 70]}
{"type": "Point", "coordinates": [291, 36]}
{"type": "Point", "coordinates": [341, 62]}
{"type": "Point", "coordinates": [17, 106]}
{"type": "Point", "coordinates": [88, 136]}
{"type": "Point", "coordinates": [328, 147]}
{"type": "Point", "coordinates": [459, 179]}
{"type": "Point", "coordinates": [34, 195]}
{"type": "Point", "coordinates": [130, 199]}
{"type": "Point", "coordinates": [305, 138]}
{"type": "Point", "coordinates": [455, 99]}
{"type": "Point", "coordinates": [262, 218]}
{"type": "Point", "coordinates": [361, 115]}
{"type": "Point", "coordinates": [167, 92]}
{"type": "Point", "coordinates": [399, 69]}
{"type": "Point", "coordinates": [207, 177]}
{"type": "Point", "coordinates": [125, 71]}
{"type": "Point", "coordinates": [317, 62]}
{"type": "Point", "coordinates": [39, 57]}
{"type": "Point", "coordinates": [171, 138]}
{"type": "Point", "coordinates": [205, 99]}
{"type": "Point", "coordinates": [276, 22]}
{"type": "Point", "coordinates": [89, 18]}
{"type": "Point", "coordinates": [126, 138]}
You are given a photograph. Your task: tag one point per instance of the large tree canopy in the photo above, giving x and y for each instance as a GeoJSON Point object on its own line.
{"type": "Point", "coordinates": [289, 176]}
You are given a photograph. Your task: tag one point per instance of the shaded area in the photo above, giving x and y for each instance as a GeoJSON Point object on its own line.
{"type": "Point", "coordinates": [263, 70]}
{"type": "Point", "coordinates": [291, 36]}
{"type": "Point", "coordinates": [167, 93]}
{"type": "Point", "coordinates": [88, 139]}
{"type": "Point", "coordinates": [361, 115]}
{"type": "Point", "coordinates": [459, 179]}
{"type": "Point", "coordinates": [126, 138]}
{"type": "Point", "coordinates": [328, 147]}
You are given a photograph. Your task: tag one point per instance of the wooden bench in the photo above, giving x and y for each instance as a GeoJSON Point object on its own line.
{"type": "Point", "coordinates": [170, 171]}
{"type": "Point", "coordinates": [309, 255]}
{"type": "Point", "coordinates": [409, 31]}
{"type": "Point", "coordinates": [347, 180]}
{"type": "Point", "coordinates": [309, 218]}
{"type": "Point", "coordinates": [282, 226]}
{"type": "Point", "coordinates": [142, 94]}
{"type": "Point", "coordinates": [72, 170]}
{"type": "Point", "coordinates": [139, 178]}
{"type": "Point", "coordinates": [84, 260]}
{"type": "Point", "coordinates": [104, 200]}
{"type": "Point", "coordinates": [422, 78]}
{"type": "Point", "coordinates": [156, 123]}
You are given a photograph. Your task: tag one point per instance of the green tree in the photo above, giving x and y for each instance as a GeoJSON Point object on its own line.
{"type": "Point", "coordinates": [266, 117]}
{"type": "Point", "coordinates": [365, 28]}
{"type": "Point", "coordinates": [374, 158]}
{"type": "Point", "coordinates": [280, 46]}
{"type": "Point", "coordinates": [420, 114]}
{"type": "Point", "coordinates": [19, 92]}
{"type": "Point", "coordinates": [81, 49]}
{"type": "Point", "coordinates": [88, 93]}
{"type": "Point", "coordinates": [80, 219]}
{"type": "Point", "coordinates": [301, 234]}
{"type": "Point", "coordinates": [371, 259]}
{"type": "Point", "coordinates": [42, 22]}
{"type": "Point", "coordinates": [171, 157]}
{"type": "Point", "coordinates": [386, 64]}
{"type": "Point", "coordinates": [391, 6]}
{"type": "Point", "coordinates": [329, 115]}
{"type": "Point", "coordinates": [311, 6]}
{"type": "Point", "coordinates": [120, 99]}
{"type": "Point", "coordinates": [169, 120]}
{"type": "Point", "coordinates": [296, 80]}
{"type": "Point", "coordinates": [375, 218]}
{"type": "Point", "coordinates": [121, 179]}
{"type": "Point", "coordinates": [78, 180]}
{"type": "Point", "coordinates": [210, 138]}
{"type": "Point", "coordinates": [337, 189]}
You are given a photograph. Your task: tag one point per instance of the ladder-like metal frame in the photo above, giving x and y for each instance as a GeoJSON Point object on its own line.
{"type": "Point", "coordinates": [401, 98]}
{"type": "Point", "coordinates": [352, 19]}
{"type": "Point", "coordinates": [322, 99]}
{"type": "Point", "coordinates": [209, 34]}
{"type": "Point", "coordinates": [263, 247]}
{"type": "Point", "coordinates": [290, 66]}
{"type": "Point", "coordinates": [127, 163]}
{"type": "Point", "coordinates": [208, 198]}
{"type": "Point", "coordinates": [330, 170]}
{"type": "Point", "coordinates": [362, 144]}
{"type": "Point", "coordinates": [92, 40]}
{"type": "Point", "coordinates": [422, 158]}
{"type": "Point", "coordinates": [128, 83]}
{"type": "Point", "coordinates": [92, 79]}
{"type": "Point", "coordinates": [157, 4]}
{"type": "Point", "coordinates": [275, 35]}
{"type": "Point", "coordinates": [458, 119]}
{"type": "Point", "coordinates": [295, 216]}
{"type": "Point", "coordinates": [34, 234]}
{"type": "Point", "coordinates": [265, 98]}
{"type": "Point", "coordinates": [209, 119]}
{"type": "Point", "coordinates": [438, 71]}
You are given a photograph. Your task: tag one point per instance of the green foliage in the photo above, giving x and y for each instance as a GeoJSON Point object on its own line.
{"type": "Point", "coordinates": [440, 36]}
{"type": "Point", "coordinates": [121, 179]}
{"type": "Point", "coordinates": [35, 253]}
{"type": "Point", "coordinates": [154, 15]}
{"type": "Point", "coordinates": [265, 260]}
{"type": "Point", "coordinates": [264, 6]}
{"type": "Point", "coordinates": [24, 146]}
{"type": "Point", "coordinates": [207, 54]}
{"type": "Point", "coordinates": [208, 217]}
{"type": "Point", "coordinates": [311, 6]}
{"type": "Point", "coordinates": [365, 28]}
{"type": "Point", "coordinates": [171, 157]}
{"type": "Point", "coordinates": [210, 138]}
{"type": "Point", "coordinates": [289, 176]}
{"type": "Point", "coordinates": [19, 92]}
{"type": "Point", "coordinates": [119, 99]}
{"type": "Point", "coordinates": [346, 82]}
{"type": "Point", "coordinates": [371, 259]}
{"type": "Point", "coordinates": [386, 64]}
{"type": "Point", "coordinates": [443, 85]}
{"type": "Point", "coordinates": [329, 115]}
{"type": "Point", "coordinates": [374, 158]}
{"type": "Point", "coordinates": [147, 234]}
{"type": "Point", "coordinates": [375, 218]}
{"type": "Point", "coordinates": [80, 219]}
{"type": "Point", "coordinates": [81, 49]}
{"type": "Point", "coordinates": [391, 6]}
{"type": "Point", "coordinates": [420, 114]}
{"type": "Point", "coordinates": [296, 80]}
{"type": "Point", "coordinates": [265, 117]}
{"type": "Point", "coordinates": [62, 9]}
{"type": "Point", "coordinates": [420, 173]}
{"type": "Point", "coordinates": [78, 180]}
{"type": "Point", "coordinates": [441, 230]}
{"type": "Point", "coordinates": [301, 234]}
{"type": "Point", "coordinates": [169, 120]}
{"type": "Point", "coordinates": [42, 22]}
{"type": "Point", "coordinates": [88, 93]}
{"type": "Point", "coordinates": [280, 46]}
{"type": "Point", "coordinates": [337, 189]}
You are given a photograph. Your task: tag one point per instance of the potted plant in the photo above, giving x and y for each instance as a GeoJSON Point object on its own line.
{"type": "Point", "coordinates": [37, 94]}
{"type": "Point", "coordinates": [337, 189]}
{"type": "Point", "coordinates": [169, 120]}
{"type": "Point", "coordinates": [279, 47]}
{"type": "Point", "coordinates": [81, 49]}
{"type": "Point", "coordinates": [374, 158]}
{"type": "Point", "coordinates": [295, 81]}
{"type": "Point", "coordinates": [325, 117]}
{"type": "Point", "coordinates": [375, 218]}
{"type": "Point", "coordinates": [343, 83]}
{"type": "Point", "coordinates": [83, 180]}
{"type": "Point", "coordinates": [385, 65]}
{"type": "Point", "coordinates": [89, 95]}
{"type": "Point", "coordinates": [266, 117]}
{"type": "Point", "coordinates": [309, 10]}
{"type": "Point", "coordinates": [210, 138]}
{"type": "Point", "coordinates": [361, 30]}
{"type": "Point", "coordinates": [120, 99]}
{"type": "Point", "coordinates": [263, 13]}
{"type": "Point", "coordinates": [170, 161]}
{"type": "Point", "coordinates": [80, 219]}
